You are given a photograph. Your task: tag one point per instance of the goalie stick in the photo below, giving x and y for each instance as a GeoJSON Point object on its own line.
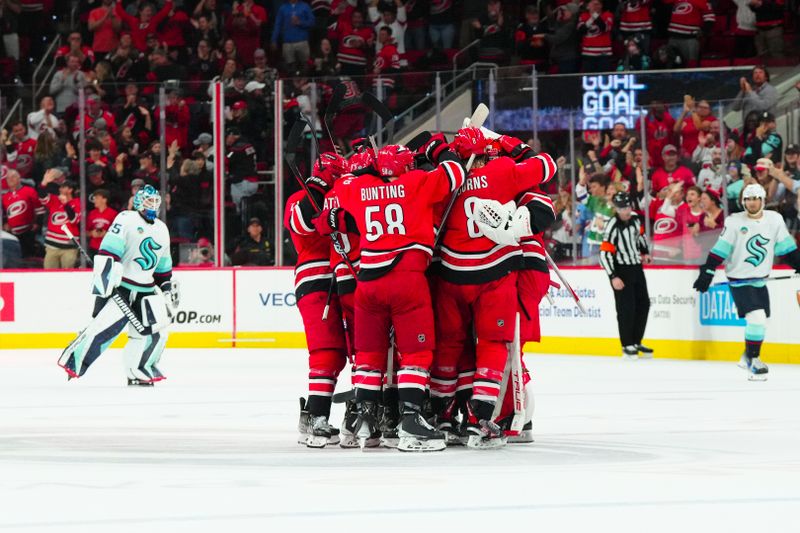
{"type": "Point", "coordinates": [115, 297]}
{"type": "Point", "coordinates": [477, 119]}
{"type": "Point", "coordinates": [775, 278]}
{"type": "Point", "coordinates": [512, 375]}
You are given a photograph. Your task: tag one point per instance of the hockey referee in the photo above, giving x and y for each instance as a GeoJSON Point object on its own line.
{"type": "Point", "coordinates": [622, 252]}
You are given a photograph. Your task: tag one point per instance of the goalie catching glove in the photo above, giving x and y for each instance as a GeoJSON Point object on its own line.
{"type": "Point", "coordinates": [503, 224]}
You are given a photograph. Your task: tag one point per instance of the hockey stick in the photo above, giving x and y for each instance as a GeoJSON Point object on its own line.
{"type": "Point", "coordinates": [333, 107]}
{"type": "Point", "coordinates": [115, 297]}
{"type": "Point", "coordinates": [512, 375]}
{"type": "Point", "coordinates": [565, 282]}
{"type": "Point", "coordinates": [775, 278]}
{"type": "Point", "coordinates": [477, 119]}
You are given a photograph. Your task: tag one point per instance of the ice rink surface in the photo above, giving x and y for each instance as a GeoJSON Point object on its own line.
{"type": "Point", "coordinates": [649, 446]}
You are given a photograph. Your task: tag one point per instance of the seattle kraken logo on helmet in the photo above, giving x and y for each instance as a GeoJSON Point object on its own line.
{"type": "Point", "coordinates": [756, 247]}
{"type": "Point", "coordinates": [147, 249]}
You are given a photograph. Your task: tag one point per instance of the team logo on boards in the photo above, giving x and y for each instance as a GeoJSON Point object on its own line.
{"type": "Point", "coordinates": [6, 302]}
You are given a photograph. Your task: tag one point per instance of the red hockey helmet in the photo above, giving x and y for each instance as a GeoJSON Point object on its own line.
{"type": "Point", "coordinates": [493, 149]}
{"type": "Point", "coordinates": [470, 141]}
{"type": "Point", "coordinates": [330, 163]}
{"type": "Point", "coordinates": [360, 160]}
{"type": "Point", "coordinates": [394, 159]}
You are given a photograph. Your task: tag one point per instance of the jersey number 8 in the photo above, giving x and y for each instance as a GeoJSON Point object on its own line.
{"type": "Point", "coordinates": [473, 230]}
{"type": "Point", "coordinates": [392, 213]}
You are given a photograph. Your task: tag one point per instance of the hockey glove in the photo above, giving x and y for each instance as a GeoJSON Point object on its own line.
{"type": "Point", "coordinates": [434, 147]}
{"type": "Point", "coordinates": [494, 221]}
{"type": "Point", "coordinates": [329, 221]}
{"type": "Point", "coordinates": [172, 296]}
{"type": "Point", "coordinates": [703, 281]}
{"type": "Point", "coordinates": [320, 183]}
{"type": "Point", "coordinates": [515, 148]}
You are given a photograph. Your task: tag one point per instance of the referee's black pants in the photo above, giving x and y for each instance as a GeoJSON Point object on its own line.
{"type": "Point", "coordinates": [633, 304]}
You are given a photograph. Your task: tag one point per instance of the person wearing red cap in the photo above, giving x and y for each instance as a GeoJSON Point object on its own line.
{"type": "Point", "coordinates": [670, 172]}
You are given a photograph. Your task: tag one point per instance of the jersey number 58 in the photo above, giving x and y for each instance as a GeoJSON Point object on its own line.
{"type": "Point", "coordinates": [392, 214]}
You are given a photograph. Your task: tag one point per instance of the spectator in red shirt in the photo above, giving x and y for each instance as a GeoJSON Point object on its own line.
{"type": "Point", "coordinates": [387, 62]}
{"type": "Point", "coordinates": [696, 117]}
{"type": "Point", "coordinates": [690, 214]}
{"type": "Point", "coordinates": [105, 26]}
{"type": "Point", "coordinates": [670, 172]}
{"type": "Point", "coordinates": [20, 149]}
{"type": "Point", "coordinates": [143, 25]}
{"type": "Point", "coordinates": [63, 208]}
{"type": "Point", "coordinates": [595, 26]}
{"type": "Point", "coordinates": [659, 128]}
{"type": "Point", "coordinates": [355, 41]}
{"type": "Point", "coordinates": [174, 28]}
{"type": "Point", "coordinates": [244, 26]}
{"type": "Point", "coordinates": [714, 215]}
{"type": "Point", "coordinates": [177, 117]}
{"type": "Point", "coordinates": [75, 47]}
{"type": "Point", "coordinates": [20, 206]}
{"type": "Point", "coordinates": [99, 220]}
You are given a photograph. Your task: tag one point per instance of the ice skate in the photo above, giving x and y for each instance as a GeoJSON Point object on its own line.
{"type": "Point", "coordinates": [304, 423]}
{"type": "Point", "coordinates": [347, 435]}
{"type": "Point", "coordinates": [416, 435]}
{"type": "Point", "coordinates": [366, 428]}
{"type": "Point", "coordinates": [525, 436]}
{"type": "Point", "coordinates": [321, 433]}
{"type": "Point", "coordinates": [390, 419]}
{"type": "Point", "coordinates": [757, 370]}
{"type": "Point", "coordinates": [447, 423]}
{"type": "Point", "coordinates": [134, 382]}
{"type": "Point", "coordinates": [630, 353]}
{"type": "Point", "coordinates": [645, 352]}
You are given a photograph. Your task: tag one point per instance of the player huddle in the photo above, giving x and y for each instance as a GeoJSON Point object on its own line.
{"type": "Point", "coordinates": [423, 266]}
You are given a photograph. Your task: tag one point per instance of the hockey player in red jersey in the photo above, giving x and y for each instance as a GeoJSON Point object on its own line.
{"type": "Point", "coordinates": [344, 271]}
{"type": "Point", "coordinates": [325, 335]}
{"type": "Point", "coordinates": [478, 279]}
{"type": "Point", "coordinates": [393, 212]}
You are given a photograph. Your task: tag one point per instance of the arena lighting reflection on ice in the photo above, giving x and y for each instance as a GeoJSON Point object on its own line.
{"type": "Point", "coordinates": [609, 99]}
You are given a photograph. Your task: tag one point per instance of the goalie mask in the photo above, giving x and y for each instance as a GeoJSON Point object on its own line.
{"type": "Point", "coordinates": [394, 160]}
{"type": "Point", "coordinates": [147, 201]}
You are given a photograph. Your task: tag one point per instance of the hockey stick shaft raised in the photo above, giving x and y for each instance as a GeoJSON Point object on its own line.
{"type": "Point", "coordinates": [565, 283]}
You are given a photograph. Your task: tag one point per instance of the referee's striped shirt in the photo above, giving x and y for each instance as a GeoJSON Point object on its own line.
{"type": "Point", "coordinates": [623, 244]}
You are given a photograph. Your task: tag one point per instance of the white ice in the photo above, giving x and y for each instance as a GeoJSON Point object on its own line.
{"type": "Point", "coordinates": [645, 446]}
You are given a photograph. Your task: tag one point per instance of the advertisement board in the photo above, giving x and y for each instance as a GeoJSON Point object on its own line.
{"type": "Point", "coordinates": [256, 308]}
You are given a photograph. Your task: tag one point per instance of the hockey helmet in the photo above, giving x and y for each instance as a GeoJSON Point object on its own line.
{"type": "Point", "coordinates": [332, 163]}
{"type": "Point", "coordinates": [754, 190]}
{"type": "Point", "coordinates": [470, 141]}
{"type": "Point", "coordinates": [394, 159]}
{"type": "Point", "coordinates": [147, 201]}
{"type": "Point", "coordinates": [621, 200]}
{"type": "Point", "coordinates": [361, 160]}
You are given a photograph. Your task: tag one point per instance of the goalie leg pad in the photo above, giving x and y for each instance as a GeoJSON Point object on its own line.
{"type": "Point", "coordinates": [153, 309]}
{"type": "Point", "coordinates": [142, 354]}
{"type": "Point", "coordinates": [95, 339]}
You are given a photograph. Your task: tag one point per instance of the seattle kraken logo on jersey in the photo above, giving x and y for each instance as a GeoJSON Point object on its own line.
{"type": "Point", "coordinates": [756, 247]}
{"type": "Point", "coordinates": [147, 249]}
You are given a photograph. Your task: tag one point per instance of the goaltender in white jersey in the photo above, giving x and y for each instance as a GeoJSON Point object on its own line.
{"type": "Point", "coordinates": [133, 285]}
{"type": "Point", "coordinates": [750, 241]}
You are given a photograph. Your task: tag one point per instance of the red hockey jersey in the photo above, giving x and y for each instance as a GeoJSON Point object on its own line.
{"type": "Point", "coordinates": [21, 157]}
{"type": "Point", "coordinates": [467, 257]}
{"type": "Point", "coordinates": [354, 44]}
{"type": "Point", "coordinates": [688, 16]}
{"type": "Point", "coordinates": [596, 39]}
{"type": "Point", "coordinates": [312, 273]}
{"type": "Point", "coordinates": [662, 178]}
{"type": "Point", "coordinates": [96, 220]}
{"type": "Point", "coordinates": [20, 208]}
{"type": "Point", "coordinates": [533, 252]}
{"type": "Point", "coordinates": [396, 216]}
{"type": "Point", "coordinates": [58, 214]}
{"type": "Point", "coordinates": [635, 16]}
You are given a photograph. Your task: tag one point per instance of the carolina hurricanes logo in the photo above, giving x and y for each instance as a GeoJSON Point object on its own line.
{"type": "Point", "coordinates": [17, 208]}
{"type": "Point", "coordinates": [492, 29]}
{"type": "Point", "coordinates": [633, 5]}
{"type": "Point", "coordinates": [684, 8]}
{"type": "Point", "coordinates": [352, 90]}
{"type": "Point", "coordinates": [594, 31]}
{"type": "Point", "coordinates": [353, 41]}
{"type": "Point", "coordinates": [58, 218]}
{"type": "Point", "coordinates": [665, 226]}
{"type": "Point", "coordinates": [24, 161]}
